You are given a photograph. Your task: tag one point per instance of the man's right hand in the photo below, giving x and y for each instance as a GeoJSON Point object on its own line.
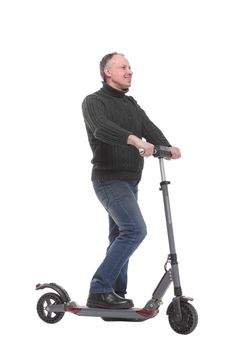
{"type": "Point", "coordinates": [148, 148]}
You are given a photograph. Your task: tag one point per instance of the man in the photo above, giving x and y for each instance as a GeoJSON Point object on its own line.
{"type": "Point", "coordinates": [115, 126]}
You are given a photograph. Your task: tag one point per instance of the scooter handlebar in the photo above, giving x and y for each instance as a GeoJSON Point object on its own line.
{"type": "Point", "coordinates": [159, 152]}
{"type": "Point", "coordinates": [162, 152]}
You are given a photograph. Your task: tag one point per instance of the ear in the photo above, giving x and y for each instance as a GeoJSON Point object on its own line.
{"type": "Point", "coordinates": [107, 72]}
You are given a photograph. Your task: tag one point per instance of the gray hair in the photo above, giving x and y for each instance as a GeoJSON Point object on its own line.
{"type": "Point", "coordinates": [105, 61]}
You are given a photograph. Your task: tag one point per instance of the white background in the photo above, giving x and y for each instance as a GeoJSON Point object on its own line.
{"type": "Point", "coordinates": [52, 227]}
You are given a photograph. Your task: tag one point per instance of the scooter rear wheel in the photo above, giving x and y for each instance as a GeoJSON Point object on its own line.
{"type": "Point", "coordinates": [46, 300]}
{"type": "Point", "coordinates": [189, 318]}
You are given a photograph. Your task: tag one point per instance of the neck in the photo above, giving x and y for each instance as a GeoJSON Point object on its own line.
{"type": "Point", "coordinates": [113, 91]}
{"type": "Point", "coordinates": [114, 86]}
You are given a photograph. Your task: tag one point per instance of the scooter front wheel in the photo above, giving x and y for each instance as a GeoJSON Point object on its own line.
{"type": "Point", "coordinates": [189, 318]}
{"type": "Point", "coordinates": [44, 302]}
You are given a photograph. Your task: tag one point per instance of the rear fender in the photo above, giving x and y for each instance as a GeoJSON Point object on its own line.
{"type": "Point", "coordinates": [60, 290]}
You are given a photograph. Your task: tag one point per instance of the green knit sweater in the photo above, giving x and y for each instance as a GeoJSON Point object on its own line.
{"type": "Point", "coordinates": [110, 117]}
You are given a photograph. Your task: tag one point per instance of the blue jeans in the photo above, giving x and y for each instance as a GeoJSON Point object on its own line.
{"type": "Point", "coordinates": [127, 230]}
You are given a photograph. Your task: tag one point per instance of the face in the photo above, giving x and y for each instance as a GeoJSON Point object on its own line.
{"type": "Point", "coordinates": [118, 73]}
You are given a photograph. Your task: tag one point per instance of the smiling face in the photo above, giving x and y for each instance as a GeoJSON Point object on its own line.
{"type": "Point", "coordinates": [118, 73]}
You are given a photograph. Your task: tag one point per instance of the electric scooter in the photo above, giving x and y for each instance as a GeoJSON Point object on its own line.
{"type": "Point", "coordinates": [182, 315]}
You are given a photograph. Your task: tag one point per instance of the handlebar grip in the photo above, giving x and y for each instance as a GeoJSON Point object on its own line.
{"type": "Point", "coordinates": [162, 152]}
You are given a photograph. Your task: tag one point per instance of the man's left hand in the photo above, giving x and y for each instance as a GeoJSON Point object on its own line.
{"type": "Point", "coordinates": [175, 153]}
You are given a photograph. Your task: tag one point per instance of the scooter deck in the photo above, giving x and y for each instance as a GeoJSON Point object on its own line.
{"type": "Point", "coordinates": [132, 314]}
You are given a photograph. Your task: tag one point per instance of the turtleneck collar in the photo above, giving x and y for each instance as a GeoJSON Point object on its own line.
{"type": "Point", "coordinates": [113, 92]}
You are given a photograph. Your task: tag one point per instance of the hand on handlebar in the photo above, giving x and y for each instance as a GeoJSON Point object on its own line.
{"type": "Point", "coordinates": [175, 153]}
{"type": "Point", "coordinates": [145, 149]}
{"type": "Point", "coordinates": [164, 152]}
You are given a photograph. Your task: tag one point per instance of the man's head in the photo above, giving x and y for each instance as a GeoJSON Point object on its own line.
{"type": "Point", "coordinates": [116, 71]}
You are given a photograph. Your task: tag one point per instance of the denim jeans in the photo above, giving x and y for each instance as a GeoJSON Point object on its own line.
{"type": "Point", "coordinates": [127, 230]}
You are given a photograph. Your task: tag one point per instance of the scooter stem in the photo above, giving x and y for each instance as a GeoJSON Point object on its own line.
{"type": "Point", "coordinates": [162, 169]}
{"type": "Point", "coordinates": [172, 256]}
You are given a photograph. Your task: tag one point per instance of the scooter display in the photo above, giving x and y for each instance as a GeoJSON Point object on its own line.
{"type": "Point", "coordinates": [182, 315]}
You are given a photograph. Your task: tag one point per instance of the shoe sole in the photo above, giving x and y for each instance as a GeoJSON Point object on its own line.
{"type": "Point", "coordinates": [114, 307]}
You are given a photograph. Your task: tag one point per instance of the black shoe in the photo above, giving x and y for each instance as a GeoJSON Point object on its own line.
{"type": "Point", "coordinates": [108, 301]}
{"type": "Point", "coordinates": [122, 295]}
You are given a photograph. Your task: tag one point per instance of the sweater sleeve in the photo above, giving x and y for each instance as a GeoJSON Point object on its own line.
{"type": "Point", "coordinates": [96, 120]}
{"type": "Point", "coordinates": [150, 131]}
